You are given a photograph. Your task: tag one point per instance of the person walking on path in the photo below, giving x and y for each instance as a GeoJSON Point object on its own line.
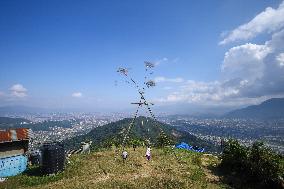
{"type": "Point", "coordinates": [124, 155]}
{"type": "Point", "coordinates": [148, 153]}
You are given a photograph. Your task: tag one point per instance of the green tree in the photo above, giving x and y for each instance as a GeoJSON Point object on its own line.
{"type": "Point", "coordinates": [257, 164]}
{"type": "Point", "coordinates": [266, 166]}
{"type": "Point", "coordinates": [234, 156]}
{"type": "Point", "coordinates": [163, 140]}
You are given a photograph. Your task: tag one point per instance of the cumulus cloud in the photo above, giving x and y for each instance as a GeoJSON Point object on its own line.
{"type": "Point", "coordinates": [18, 91]}
{"type": "Point", "coordinates": [280, 59]}
{"type": "Point", "coordinates": [250, 73]}
{"type": "Point", "coordinates": [201, 92]}
{"type": "Point", "coordinates": [212, 94]}
{"type": "Point", "coordinates": [268, 21]}
{"type": "Point", "coordinates": [246, 59]}
{"type": "Point", "coordinates": [77, 95]}
{"type": "Point", "coordinates": [164, 79]}
{"type": "Point", "coordinates": [259, 66]}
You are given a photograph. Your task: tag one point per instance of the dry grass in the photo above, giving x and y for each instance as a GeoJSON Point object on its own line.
{"type": "Point", "coordinates": [102, 170]}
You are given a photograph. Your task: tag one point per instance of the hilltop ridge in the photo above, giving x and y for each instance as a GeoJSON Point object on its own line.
{"type": "Point", "coordinates": [143, 128]}
{"type": "Point", "coordinates": [104, 170]}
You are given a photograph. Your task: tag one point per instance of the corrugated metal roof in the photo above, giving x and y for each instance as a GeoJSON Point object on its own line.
{"type": "Point", "coordinates": [14, 135]}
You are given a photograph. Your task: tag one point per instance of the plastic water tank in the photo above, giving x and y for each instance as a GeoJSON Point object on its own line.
{"type": "Point", "coordinates": [11, 166]}
{"type": "Point", "coordinates": [35, 157]}
{"type": "Point", "coordinates": [53, 158]}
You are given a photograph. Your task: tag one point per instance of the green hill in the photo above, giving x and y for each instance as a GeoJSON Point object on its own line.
{"type": "Point", "coordinates": [255, 167]}
{"type": "Point", "coordinates": [102, 170]}
{"type": "Point", "coordinates": [144, 128]}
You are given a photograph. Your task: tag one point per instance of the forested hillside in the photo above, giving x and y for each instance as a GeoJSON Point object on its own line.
{"type": "Point", "coordinates": [143, 129]}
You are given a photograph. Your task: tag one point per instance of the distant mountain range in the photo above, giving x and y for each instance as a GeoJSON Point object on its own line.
{"type": "Point", "coordinates": [11, 123]}
{"type": "Point", "coordinates": [269, 109]}
{"type": "Point", "coordinates": [144, 128]}
{"type": "Point", "coordinates": [22, 109]}
{"type": "Point", "coordinates": [8, 123]}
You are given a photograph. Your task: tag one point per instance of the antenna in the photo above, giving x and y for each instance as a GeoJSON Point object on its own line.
{"type": "Point", "coordinates": [148, 83]}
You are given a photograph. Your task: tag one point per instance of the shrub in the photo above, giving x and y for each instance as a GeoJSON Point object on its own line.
{"type": "Point", "coordinates": [258, 163]}
{"type": "Point", "coordinates": [234, 156]}
{"type": "Point", "coordinates": [163, 140]}
{"type": "Point", "coordinates": [265, 165]}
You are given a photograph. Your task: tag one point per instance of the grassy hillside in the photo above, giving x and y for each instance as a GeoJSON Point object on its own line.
{"type": "Point", "coordinates": [144, 128]}
{"type": "Point", "coordinates": [102, 170]}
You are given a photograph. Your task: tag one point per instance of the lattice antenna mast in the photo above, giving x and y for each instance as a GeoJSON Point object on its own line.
{"type": "Point", "coordinates": [147, 84]}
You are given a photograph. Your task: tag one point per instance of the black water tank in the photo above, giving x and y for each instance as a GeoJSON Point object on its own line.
{"type": "Point", "coordinates": [53, 158]}
{"type": "Point", "coordinates": [35, 157]}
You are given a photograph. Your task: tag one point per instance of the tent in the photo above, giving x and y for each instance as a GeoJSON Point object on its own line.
{"type": "Point", "coordinates": [186, 146]}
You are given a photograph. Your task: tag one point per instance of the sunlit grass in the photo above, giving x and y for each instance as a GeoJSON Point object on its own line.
{"type": "Point", "coordinates": [105, 170]}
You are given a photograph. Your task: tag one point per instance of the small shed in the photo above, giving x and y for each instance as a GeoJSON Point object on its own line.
{"type": "Point", "coordinates": [14, 144]}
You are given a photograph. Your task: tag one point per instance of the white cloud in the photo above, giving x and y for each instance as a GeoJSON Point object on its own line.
{"type": "Point", "coordinates": [212, 94]}
{"type": "Point", "coordinates": [164, 79]}
{"type": "Point", "coordinates": [201, 92]}
{"type": "Point", "coordinates": [77, 95]}
{"type": "Point", "coordinates": [259, 65]}
{"type": "Point", "coordinates": [245, 61]}
{"type": "Point", "coordinates": [250, 73]}
{"type": "Point", "coordinates": [280, 59]}
{"type": "Point", "coordinates": [163, 60]}
{"type": "Point", "coordinates": [268, 21]}
{"type": "Point", "coordinates": [166, 60]}
{"type": "Point", "coordinates": [18, 90]}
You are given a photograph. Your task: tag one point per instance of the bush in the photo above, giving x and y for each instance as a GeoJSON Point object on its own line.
{"type": "Point", "coordinates": [258, 163]}
{"type": "Point", "coordinates": [265, 165]}
{"type": "Point", "coordinates": [163, 140]}
{"type": "Point", "coordinates": [234, 156]}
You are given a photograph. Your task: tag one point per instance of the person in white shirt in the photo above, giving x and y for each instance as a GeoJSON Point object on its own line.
{"type": "Point", "coordinates": [124, 155]}
{"type": "Point", "coordinates": [148, 153]}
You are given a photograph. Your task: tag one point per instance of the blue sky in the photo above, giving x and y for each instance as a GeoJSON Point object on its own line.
{"type": "Point", "coordinates": [64, 54]}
